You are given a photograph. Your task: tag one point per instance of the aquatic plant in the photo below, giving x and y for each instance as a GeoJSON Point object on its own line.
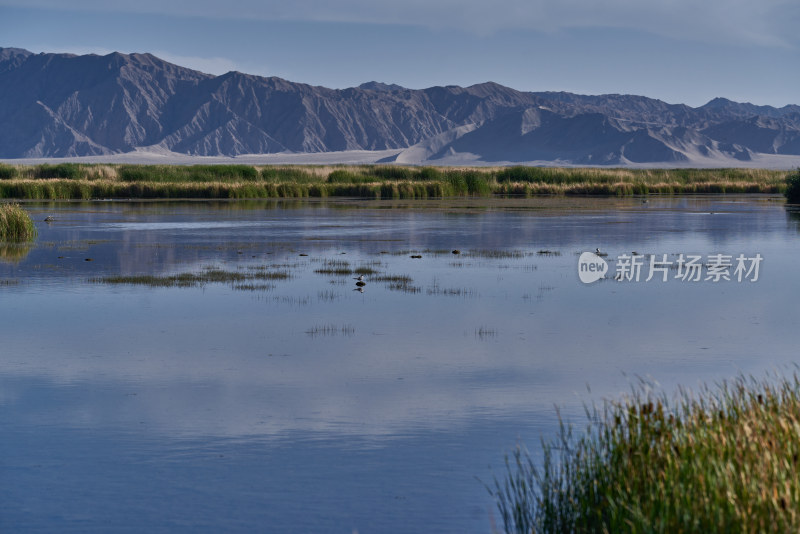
{"type": "Point", "coordinates": [724, 460]}
{"type": "Point", "coordinates": [365, 270]}
{"type": "Point", "coordinates": [205, 276]}
{"type": "Point", "coordinates": [330, 330]}
{"type": "Point", "coordinates": [86, 181]}
{"type": "Point", "coordinates": [7, 172]}
{"type": "Point", "coordinates": [336, 271]}
{"type": "Point", "coordinates": [16, 226]}
{"type": "Point", "coordinates": [793, 187]}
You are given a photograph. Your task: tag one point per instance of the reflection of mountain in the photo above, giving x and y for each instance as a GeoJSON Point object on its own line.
{"type": "Point", "coordinates": [54, 105]}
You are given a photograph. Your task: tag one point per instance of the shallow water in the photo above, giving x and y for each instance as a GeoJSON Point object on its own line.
{"type": "Point", "coordinates": [304, 405]}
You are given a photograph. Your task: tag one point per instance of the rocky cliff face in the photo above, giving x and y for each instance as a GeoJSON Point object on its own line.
{"type": "Point", "coordinates": [60, 105]}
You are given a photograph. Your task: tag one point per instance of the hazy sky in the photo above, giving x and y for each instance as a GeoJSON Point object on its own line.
{"type": "Point", "coordinates": [681, 51]}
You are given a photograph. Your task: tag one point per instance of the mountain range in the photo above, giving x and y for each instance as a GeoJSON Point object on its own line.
{"type": "Point", "coordinates": [63, 105]}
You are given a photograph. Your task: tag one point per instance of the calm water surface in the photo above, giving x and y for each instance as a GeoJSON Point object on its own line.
{"type": "Point", "coordinates": [304, 405]}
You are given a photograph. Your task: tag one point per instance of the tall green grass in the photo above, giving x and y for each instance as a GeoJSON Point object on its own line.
{"type": "Point", "coordinates": [793, 187]}
{"type": "Point", "coordinates": [86, 181]}
{"type": "Point", "coordinates": [724, 460]}
{"type": "Point", "coordinates": [16, 225]}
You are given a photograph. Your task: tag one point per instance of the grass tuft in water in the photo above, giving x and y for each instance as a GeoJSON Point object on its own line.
{"type": "Point", "coordinates": [241, 280]}
{"type": "Point", "coordinates": [330, 330]}
{"type": "Point", "coordinates": [334, 271]}
{"type": "Point", "coordinates": [724, 460]}
{"type": "Point", "coordinates": [365, 270]}
{"type": "Point", "coordinates": [484, 332]}
{"type": "Point", "coordinates": [16, 226]}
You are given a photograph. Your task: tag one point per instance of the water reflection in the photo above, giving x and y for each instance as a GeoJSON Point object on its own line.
{"type": "Point", "coordinates": [224, 391]}
{"type": "Point", "coordinates": [793, 216]}
{"type": "Point", "coordinates": [14, 252]}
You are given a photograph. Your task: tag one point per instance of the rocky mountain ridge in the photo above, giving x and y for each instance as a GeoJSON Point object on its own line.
{"type": "Point", "coordinates": [63, 105]}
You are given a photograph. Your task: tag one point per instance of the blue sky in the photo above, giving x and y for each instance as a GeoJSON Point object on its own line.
{"type": "Point", "coordinates": [674, 50]}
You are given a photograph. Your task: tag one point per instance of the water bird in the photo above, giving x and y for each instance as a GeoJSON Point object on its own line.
{"type": "Point", "coordinates": [361, 284]}
{"type": "Point", "coordinates": [49, 218]}
{"type": "Point", "coordinates": [360, 278]}
{"type": "Point", "coordinates": [597, 251]}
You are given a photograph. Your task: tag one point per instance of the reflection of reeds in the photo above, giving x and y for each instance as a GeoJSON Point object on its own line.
{"type": "Point", "coordinates": [327, 296]}
{"type": "Point", "coordinates": [452, 291]}
{"type": "Point", "coordinates": [724, 460]}
{"type": "Point", "coordinates": [253, 287]}
{"type": "Point", "coordinates": [14, 252]}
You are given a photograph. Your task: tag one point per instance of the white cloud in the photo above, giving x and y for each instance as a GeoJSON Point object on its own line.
{"type": "Point", "coordinates": [726, 21]}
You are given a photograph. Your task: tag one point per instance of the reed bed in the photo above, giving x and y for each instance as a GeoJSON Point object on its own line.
{"type": "Point", "coordinates": [87, 181]}
{"type": "Point", "coordinates": [210, 275]}
{"type": "Point", "coordinates": [16, 226]}
{"type": "Point", "coordinates": [793, 187]}
{"type": "Point", "coordinates": [724, 460]}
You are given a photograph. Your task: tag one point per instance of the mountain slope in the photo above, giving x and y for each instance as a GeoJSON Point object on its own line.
{"type": "Point", "coordinates": [62, 105]}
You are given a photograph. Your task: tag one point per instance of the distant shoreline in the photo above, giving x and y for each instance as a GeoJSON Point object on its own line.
{"type": "Point", "coordinates": [84, 181]}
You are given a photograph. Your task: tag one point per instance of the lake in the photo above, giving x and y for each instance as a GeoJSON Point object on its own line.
{"type": "Point", "coordinates": [250, 385]}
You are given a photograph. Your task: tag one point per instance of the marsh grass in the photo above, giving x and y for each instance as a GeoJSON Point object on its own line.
{"type": "Point", "coordinates": [241, 280]}
{"type": "Point", "coordinates": [253, 287]}
{"type": "Point", "coordinates": [723, 460]}
{"type": "Point", "coordinates": [793, 187]}
{"type": "Point", "coordinates": [87, 181]}
{"type": "Point", "coordinates": [365, 270]}
{"type": "Point", "coordinates": [484, 333]}
{"type": "Point", "coordinates": [392, 278]}
{"type": "Point", "coordinates": [452, 291]}
{"type": "Point", "coordinates": [403, 287]}
{"type": "Point", "coordinates": [330, 330]}
{"type": "Point", "coordinates": [16, 226]}
{"type": "Point", "coordinates": [397, 282]}
{"type": "Point", "coordinates": [496, 253]}
{"type": "Point", "coordinates": [334, 271]}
